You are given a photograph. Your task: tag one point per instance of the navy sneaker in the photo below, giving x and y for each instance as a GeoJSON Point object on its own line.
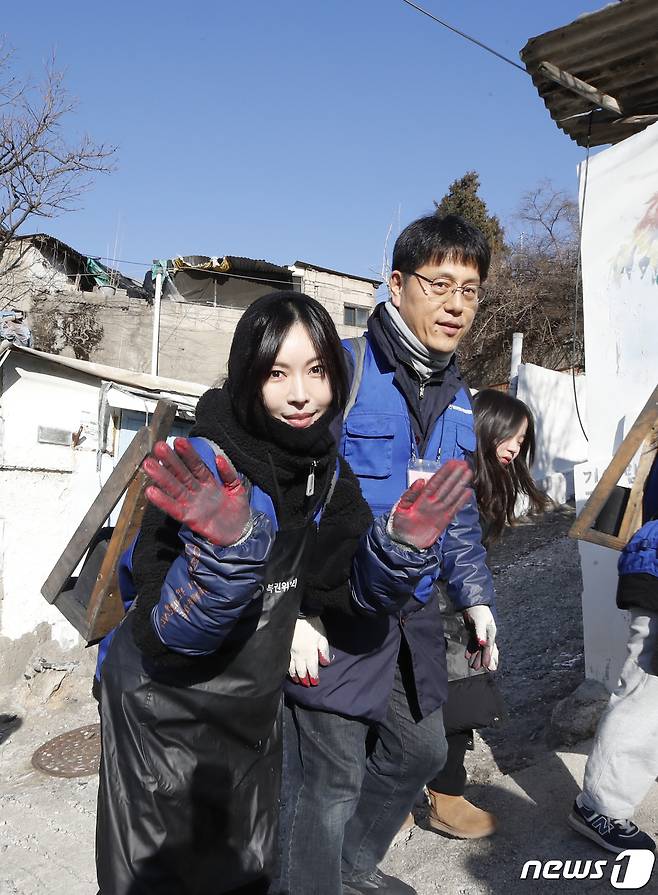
{"type": "Point", "coordinates": [376, 881]}
{"type": "Point", "coordinates": [608, 832]}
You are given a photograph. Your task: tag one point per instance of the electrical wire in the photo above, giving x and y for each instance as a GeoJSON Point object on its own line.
{"type": "Point", "coordinates": [579, 272]}
{"type": "Point", "coordinates": [118, 260]}
{"type": "Point", "coordinates": [500, 56]}
{"type": "Point", "coordinates": [473, 40]}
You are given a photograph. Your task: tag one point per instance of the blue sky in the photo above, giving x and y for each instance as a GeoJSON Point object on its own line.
{"type": "Point", "coordinates": [295, 128]}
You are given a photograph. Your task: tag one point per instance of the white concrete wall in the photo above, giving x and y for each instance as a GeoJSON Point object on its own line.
{"type": "Point", "coordinates": [620, 283]}
{"type": "Point", "coordinates": [560, 440]}
{"type": "Point", "coordinates": [46, 489]}
{"type": "Point", "coordinates": [334, 291]}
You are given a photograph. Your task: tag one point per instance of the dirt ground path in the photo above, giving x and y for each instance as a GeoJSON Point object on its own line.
{"type": "Point", "coordinates": [538, 583]}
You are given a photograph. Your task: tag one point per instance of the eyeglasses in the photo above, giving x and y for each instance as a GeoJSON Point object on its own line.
{"type": "Point", "coordinates": [443, 287]}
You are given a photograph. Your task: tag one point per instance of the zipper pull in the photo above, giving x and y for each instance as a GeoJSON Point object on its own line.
{"type": "Point", "coordinates": [421, 389]}
{"type": "Point", "coordinates": [310, 481]}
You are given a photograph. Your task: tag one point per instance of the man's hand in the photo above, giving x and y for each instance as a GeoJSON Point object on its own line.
{"type": "Point", "coordinates": [423, 512]}
{"type": "Point", "coordinates": [310, 648]}
{"type": "Point", "coordinates": [185, 488]}
{"type": "Point", "coordinates": [483, 652]}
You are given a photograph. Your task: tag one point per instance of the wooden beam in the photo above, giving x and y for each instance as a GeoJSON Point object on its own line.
{"type": "Point", "coordinates": [632, 120]}
{"type": "Point", "coordinates": [582, 88]}
{"type": "Point", "coordinates": [632, 520]}
{"type": "Point", "coordinates": [105, 609]}
{"type": "Point", "coordinates": [643, 429]}
{"type": "Point", "coordinates": [108, 497]}
{"type": "Point", "coordinates": [600, 538]}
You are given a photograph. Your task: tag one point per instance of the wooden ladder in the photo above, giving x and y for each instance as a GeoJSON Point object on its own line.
{"type": "Point", "coordinates": [643, 436]}
{"type": "Point", "coordinates": [95, 614]}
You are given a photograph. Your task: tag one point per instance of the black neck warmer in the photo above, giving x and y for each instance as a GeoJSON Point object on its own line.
{"type": "Point", "coordinates": [280, 465]}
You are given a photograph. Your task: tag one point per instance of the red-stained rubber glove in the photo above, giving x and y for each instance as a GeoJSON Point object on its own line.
{"type": "Point", "coordinates": [185, 489]}
{"type": "Point", "coordinates": [423, 512]}
{"type": "Point", "coordinates": [482, 651]}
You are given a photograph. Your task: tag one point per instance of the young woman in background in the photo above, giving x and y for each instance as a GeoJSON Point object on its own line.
{"type": "Point", "coordinates": [505, 452]}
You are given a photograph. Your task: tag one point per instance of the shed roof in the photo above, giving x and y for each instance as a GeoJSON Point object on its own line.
{"type": "Point", "coordinates": [80, 261]}
{"type": "Point", "coordinates": [614, 50]}
{"type": "Point", "coordinates": [339, 273]}
{"type": "Point", "coordinates": [144, 381]}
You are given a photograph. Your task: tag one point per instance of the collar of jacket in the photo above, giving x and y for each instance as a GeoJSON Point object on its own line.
{"type": "Point", "coordinates": [395, 356]}
{"type": "Point", "coordinates": [424, 361]}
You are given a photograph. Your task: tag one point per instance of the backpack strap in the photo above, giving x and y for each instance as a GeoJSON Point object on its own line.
{"type": "Point", "coordinates": [358, 345]}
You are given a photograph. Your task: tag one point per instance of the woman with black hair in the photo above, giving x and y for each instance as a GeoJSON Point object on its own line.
{"type": "Point", "coordinates": [505, 450]}
{"type": "Point", "coordinates": [251, 518]}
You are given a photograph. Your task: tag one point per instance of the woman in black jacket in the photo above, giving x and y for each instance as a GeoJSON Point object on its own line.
{"type": "Point", "coordinates": [250, 518]}
{"type": "Point", "coordinates": [505, 450]}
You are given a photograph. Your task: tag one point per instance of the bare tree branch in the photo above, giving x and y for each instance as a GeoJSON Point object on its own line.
{"type": "Point", "coordinates": [42, 173]}
{"type": "Point", "coordinates": [533, 288]}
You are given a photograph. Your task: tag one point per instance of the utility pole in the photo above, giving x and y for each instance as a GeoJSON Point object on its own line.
{"type": "Point", "coordinates": [517, 350]}
{"type": "Point", "coordinates": [156, 323]}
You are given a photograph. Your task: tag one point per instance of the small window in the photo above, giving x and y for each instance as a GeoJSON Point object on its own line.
{"type": "Point", "coordinates": [355, 316]}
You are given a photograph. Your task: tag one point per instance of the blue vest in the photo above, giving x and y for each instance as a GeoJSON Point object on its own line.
{"type": "Point", "coordinates": [377, 436]}
{"type": "Point", "coordinates": [377, 440]}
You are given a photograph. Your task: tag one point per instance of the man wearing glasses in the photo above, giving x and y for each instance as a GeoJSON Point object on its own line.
{"type": "Point", "coordinates": [365, 733]}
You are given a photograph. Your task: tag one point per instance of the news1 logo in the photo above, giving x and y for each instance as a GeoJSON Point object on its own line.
{"type": "Point", "coordinates": [631, 869]}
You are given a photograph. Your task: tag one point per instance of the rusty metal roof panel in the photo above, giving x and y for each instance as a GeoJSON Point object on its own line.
{"type": "Point", "coordinates": [614, 50]}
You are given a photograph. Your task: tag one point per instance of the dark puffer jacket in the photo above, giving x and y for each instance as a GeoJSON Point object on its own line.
{"type": "Point", "coordinates": [209, 589]}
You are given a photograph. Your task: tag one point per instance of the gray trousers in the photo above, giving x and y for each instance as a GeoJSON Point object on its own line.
{"type": "Point", "coordinates": [623, 763]}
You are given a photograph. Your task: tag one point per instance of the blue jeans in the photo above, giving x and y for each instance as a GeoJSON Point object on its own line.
{"type": "Point", "coordinates": [347, 787]}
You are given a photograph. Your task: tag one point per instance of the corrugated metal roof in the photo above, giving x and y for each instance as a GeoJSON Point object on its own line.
{"type": "Point", "coordinates": [614, 50]}
{"type": "Point", "coordinates": [155, 384]}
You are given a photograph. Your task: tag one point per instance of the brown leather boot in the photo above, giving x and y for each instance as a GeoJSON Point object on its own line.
{"type": "Point", "coordinates": [457, 817]}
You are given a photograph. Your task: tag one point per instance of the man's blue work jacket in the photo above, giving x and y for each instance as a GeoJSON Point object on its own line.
{"type": "Point", "coordinates": [378, 442]}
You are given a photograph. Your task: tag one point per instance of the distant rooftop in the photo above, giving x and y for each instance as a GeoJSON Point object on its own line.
{"type": "Point", "coordinates": [91, 270]}
{"type": "Point", "coordinates": [181, 267]}
{"type": "Point", "coordinates": [339, 273]}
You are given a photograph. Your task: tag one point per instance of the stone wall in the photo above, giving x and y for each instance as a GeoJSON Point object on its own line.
{"type": "Point", "coordinates": [194, 338]}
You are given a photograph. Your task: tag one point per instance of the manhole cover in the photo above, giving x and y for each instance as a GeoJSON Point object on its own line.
{"type": "Point", "coordinates": [73, 754]}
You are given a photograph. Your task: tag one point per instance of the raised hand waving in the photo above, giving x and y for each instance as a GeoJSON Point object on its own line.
{"type": "Point", "coordinates": [185, 489]}
{"type": "Point", "coordinates": [423, 512]}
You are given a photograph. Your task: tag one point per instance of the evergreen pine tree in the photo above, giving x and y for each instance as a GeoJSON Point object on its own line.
{"type": "Point", "coordinates": [462, 199]}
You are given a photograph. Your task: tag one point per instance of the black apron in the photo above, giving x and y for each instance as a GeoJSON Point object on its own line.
{"type": "Point", "coordinates": [191, 760]}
